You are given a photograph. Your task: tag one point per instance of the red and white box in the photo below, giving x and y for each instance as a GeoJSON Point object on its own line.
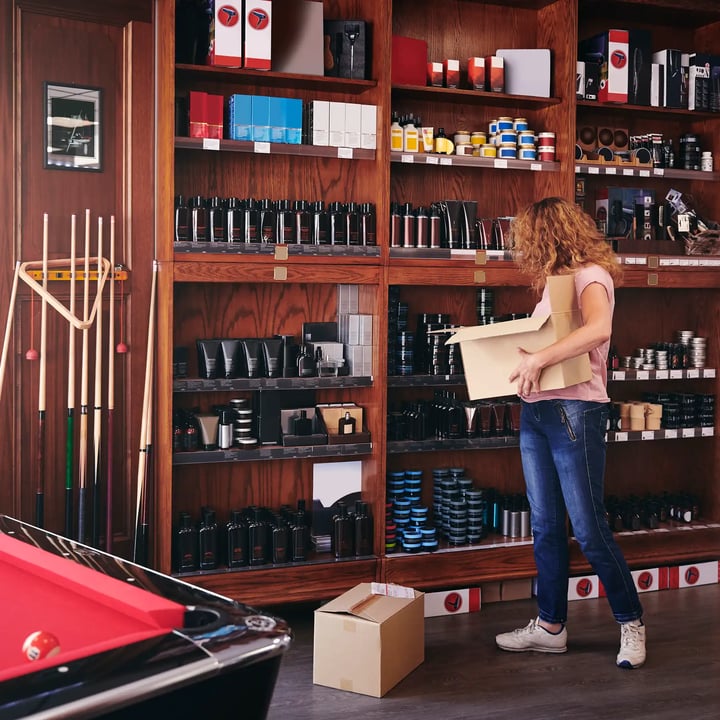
{"type": "Point", "coordinates": [258, 34]}
{"type": "Point", "coordinates": [476, 73]}
{"type": "Point", "coordinates": [452, 602]}
{"type": "Point", "coordinates": [495, 73]}
{"type": "Point", "coordinates": [683, 576]}
{"type": "Point", "coordinates": [226, 35]}
{"type": "Point", "coordinates": [647, 580]}
{"type": "Point", "coordinates": [585, 587]}
{"type": "Point", "coordinates": [197, 112]}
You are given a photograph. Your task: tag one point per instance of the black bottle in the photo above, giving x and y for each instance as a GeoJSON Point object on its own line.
{"type": "Point", "coordinates": [216, 220]}
{"type": "Point", "coordinates": [299, 538]}
{"type": "Point", "coordinates": [191, 435]}
{"type": "Point", "coordinates": [306, 363]}
{"type": "Point", "coordinates": [258, 538]}
{"type": "Point", "coordinates": [280, 541]}
{"type": "Point", "coordinates": [233, 221]}
{"type": "Point", "coordinates": [225, 429]}
{"type": "Point", "coordinates": [250, 215]}
{"type": "Point", "coordinates": [455, 418]}
{"type": "Point", "coordinates": [320, 224]}
{"type": "Point", "coordinates": [363, 529]}
{"type": "Point", "coordinates": [178, 430]}
{"type": "Point", "coordinates": [352, 224]}
{"type": "Point", "coordinates": [198, 220]}
{"type": "Point", "coordinates": [182, 220]}
{"type": "Point", "coordinates": [346, 425]}
{"type": "Point", "coordinates": [186, 545]}
{"type": "Point", "coordinates": [368, 225]}
{"type": "Point", "coordinates": [237, 540]}
{"type": "Point", "coordinates": [208, 540]}
{"type": "Point", "coordinates": [301, 424]}
{"type": "Point", "coordinates": [336, 224]}
{"type": "Point", "coordinates": [302, 231]}
{"type": "Point", "coordinates": [343, 532]}
{"type": "Point", "coordinates": [267, 224]}
{"type": "Point", "coordinates": [285, 232]}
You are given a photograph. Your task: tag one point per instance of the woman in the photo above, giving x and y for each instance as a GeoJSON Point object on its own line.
{"type": "Point", "coordinates": [562, 433]}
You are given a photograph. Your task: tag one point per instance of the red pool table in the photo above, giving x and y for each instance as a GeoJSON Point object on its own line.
{"type": "Point", "coordinates": [133, 642]}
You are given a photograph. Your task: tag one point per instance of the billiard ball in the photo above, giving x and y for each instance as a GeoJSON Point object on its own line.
{"type": "Point", "coordinates": [40, 645]}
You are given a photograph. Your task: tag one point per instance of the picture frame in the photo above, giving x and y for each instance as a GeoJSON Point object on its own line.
{"type": "Point", "coordinates": [73, 127]}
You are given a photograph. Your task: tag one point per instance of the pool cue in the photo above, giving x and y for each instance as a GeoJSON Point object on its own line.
{"type": "Point", "coordinates": [141, 524]}
{"type": "Point", "coordinates": [70, 437]}
{"type": "Point", "coordinates": [82, 460]}
{"type": "Point", "coordinates": [110, 392]}
{"type": "Point", "coordinates": [8, 326]}
{"type": "Point", "coordinates": [97, 408]}
{"type": "Point", "coordinates": [42, 387]}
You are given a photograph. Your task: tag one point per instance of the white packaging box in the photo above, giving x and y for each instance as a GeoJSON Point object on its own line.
{"type": "Point", "coordinates": [368, 131]}
{"type": "Point", "coordinates": [359, 360]}
{"type": "Point", "coordinates": [657, 85]}
{"type": "Point", "coordinates": [646, 580]}
{"type": "Point", "coordinates": [336, 127]}
{"type": "Point", "coordinates": [353, 125]}
{"type": "Point", "coordinates": [258, 34]}
{"type": "Point", "coordinates": [367, 360]}
{"type": "Point", "coordinates": [348, 299]}
{"type": "Point", "coordinates": [582, 588]}
{"type": "Point", "coordinates": [452, 602]}
{"type": "Point", "coordinates": [226, 37]}
{"type": "Point", "coordinates": [359, 330]}
{"type": "Point", "coordinates": [580, 80]}
{"type": "Point", "coordinates": [320, 122]}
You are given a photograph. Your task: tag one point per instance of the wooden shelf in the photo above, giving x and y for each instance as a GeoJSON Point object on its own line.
{"type": "Point", "coordinates": [194, 385]}
{"type": "Point", "coordinates": [643, 110]}
{"type": "Point", "coordinates": [267, 148]}
{"type": "Point", "coordinates": [471, 97]}
{"type": "Point", "coordinates": [272, 452]}
{"type": "Point", "coordinates": [623, 170]}
{"type": "Point", "coordinates": [499, 164]}
{"type": "Point", "coordinates": [240, 76]}
{"type": "Point", "coordinates": [277, 250]}
{"type": "Point", "coordinates": [630, 375]}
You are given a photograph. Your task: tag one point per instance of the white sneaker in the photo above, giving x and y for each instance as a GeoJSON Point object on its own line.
{"type": "Point", "coordinates": [533, 637]}
{"type": "Point", "coordinates": [632, 645]}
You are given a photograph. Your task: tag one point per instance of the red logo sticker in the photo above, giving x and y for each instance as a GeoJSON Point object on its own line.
{"type": "Point", "coordinates": [618, 59]}
{"type": "Point", "coordinates": [692, 575]}
{"type": "Point", "coordinates": [584, 587]}
{"type": "Point", "coordinates": [228, 15]}
{"type": "Point", "coordinates": [645, 580]}
{"type": "Point", "coordinates": [258, 19]}
{"type": "Point", "coordinates": [453, 602]}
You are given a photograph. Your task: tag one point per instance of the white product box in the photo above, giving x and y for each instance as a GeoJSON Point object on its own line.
{"type": "Point", "coordinates": [258, 34]}
{"type": "Point", "coordinates": [657, 85]}
{"type": "Point", "coordinates": [452, 602]}
{"type": "Point", "coordinates": [368, 130]}
{"type": "Point", "coordinates": [646, 580]}
{"type": "Point", "coordinates": [353, 125]}
{"type": "Point", "coordinates": [226, 37]}
{"type": "Point", "coordinates": [320, 122]}
{"type": "Point", "coordinates": [359, 330]}
{"type": "Point", "coordinates": [336, 128]}
{"type": "Point", "coordinates": [348, 299]}
{"type": "Point", "coordinates": [582, 588]}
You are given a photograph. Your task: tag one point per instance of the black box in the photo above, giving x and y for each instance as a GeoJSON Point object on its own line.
{"type": "Point", "coordinates": [672, 61]}
{"type": "Point", "coordinates": [640, 45]}
{"type": "Point", "coordinates": [318, 435]}
{"type": "Point", "coordinates": [592, 80]}
{"type": "Point", "coordinates": [347, 49]}
{"type": "Point", "coordinates": [269, 403]}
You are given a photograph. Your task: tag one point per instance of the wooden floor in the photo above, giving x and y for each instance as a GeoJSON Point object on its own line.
{"type": "Point", "coordinates": [465, 676]}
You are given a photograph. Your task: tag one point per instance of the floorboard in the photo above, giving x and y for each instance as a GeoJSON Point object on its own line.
{"type": "Point", "coordinates": [465, 676]}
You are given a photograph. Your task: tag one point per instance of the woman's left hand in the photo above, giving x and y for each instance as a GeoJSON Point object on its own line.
{"type": "Point", "coordinates": [527, 373]}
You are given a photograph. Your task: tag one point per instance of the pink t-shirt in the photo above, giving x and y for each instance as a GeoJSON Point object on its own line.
{"type": "Point", "coordinates": [594, 389]}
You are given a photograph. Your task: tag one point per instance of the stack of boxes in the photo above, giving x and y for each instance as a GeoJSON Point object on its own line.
{"type": "Point", "coordinates": [339, 124]}
{"type": "Point", "coordinates": [241, 36]}
{"type": "Point", "coordinates": [355, 331]}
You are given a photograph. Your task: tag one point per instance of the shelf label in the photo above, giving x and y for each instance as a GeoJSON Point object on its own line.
{"type": "Point", "coordinates": [578, 169]}
{"type": "Point", "coordinates": [688, 432]}
{"type": "Point", "coordinates": [644, 173]}
{"type": "Point", "coordinates": [432, 160]}
{"type": "Point", "coordinates": [618, 375]}
{"type": "Point", "coordinates": [659, 171]}
{"type": "Point", "coordinates": [621, 437]}
{"type": "Point", "coordinates": [593, 170]}
{"type": "Point", "coordinates": [611, 171]}
{"type": "Point", "coordinates": [709, 373]}
{"type": "Point", "coordinates": [676, 374]}
{"type": "Point", "coordinates": [671, 434]}
{"type": "Point", "coordinates": [407, 159]}
{"type": "Point", "coordinates": [537, 166]}
{"type": "Point", "coordinates": [211, 143]}
{"type": "Point", "coordinates": [345, 153]}
{"type": "Point", "coordinates": [500, 163]}
{"type": "Point", "coordinates": [707, 431]}
{"type": "Point", "coordinates": [693, 373]}
{"type": "Point", "coordinates": [262, 147]}
{"type": "Point", "coordinates": [647, 435]}
{"type": "Point", "coordinates": [446, 161]}
{"type": "Point", "coordinates": [662, 374]}
{"type": "Point", "coordinates": [643, 375]}
{"type": "Point", "coordinates": [628, 171]}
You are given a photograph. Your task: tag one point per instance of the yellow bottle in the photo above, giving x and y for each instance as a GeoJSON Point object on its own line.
{"type": "Point", "coordinates": [396, 135]}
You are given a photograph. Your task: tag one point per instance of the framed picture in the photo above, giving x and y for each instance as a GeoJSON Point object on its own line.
{"type": "Point", "coordinates": [73, 122]}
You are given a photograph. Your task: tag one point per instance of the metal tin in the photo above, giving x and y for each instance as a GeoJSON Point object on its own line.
{"type": "Point", "coordinates": [478, 138]}
{"type": "Point", "coordinates": [488, 151]}
{"type": "Point", "coordinates": [493, 126]}
{"type": "Point", "coordinates": [520, 123]}
{"type": "Point", "coordinates": [508, 136]}
{"type": "Point", "coordinates": [546, 153]}
{"type": "Point", "coordinates": [464, 149]}
{"type": "Point", "coordinates": [527, 153]}
{"type": "Point", "coordinates": [507, 151]}
{"type": "Point", "coordinates": [504, 123]}
{"type": "Point", "coordinates": [526, 137]}
{"type": "Point", "coordinates": [461, 136]}
{"type": "Point", "coordinates": [546, 139]}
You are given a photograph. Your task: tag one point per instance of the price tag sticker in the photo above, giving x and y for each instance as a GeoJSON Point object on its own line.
{"type": "Point", "coordinates": [621, 437]}
{"type": "Point", "coordinates": [693, 373]}
{"type": "Point", "coordinates": [676, 374]}
{"type": "Point", "coordinates": [432, 160]}
{"type": "Point", "coordinates": [647, 435]}
{"type": "Point", "coordinates": [688, 432]}
{"type": "Point", "coordinates": [709, 373]}
{"type": "Point", "coordinates": [671, 434]}
{"type": "Point", "coordinates": [611, 171]}
{"type": "Point", "coordinates": [628, 171]}
{"type": "Point", "coordinates": [593, 170]}
{"type": "Point", "coordinates": [643, 374]}
{"type": "Point", "coordinates": [536, 167]}
{"type": "Point", "coordinates": [662, 374]}
{"type": "Point", "coordinates": [446, 161]}
{"type": "Point", "coordinates": [500, 163]}
{"type": "Point", "coordinates": [211, 143]}
{"type": "Point", "coordinates": [618, 375]}
{"type": "Point", "coordinates": [707, 431]}
{"type": "Point", "coordinates": [644, 173]}
{"type": "Point", "coordinates": [659, 171]}
{"type": "Point", "coordinates": [345, 153]}
{"type": "Point", "coordinates": [263, 148]}
{"type": "Point", "coordinates": [407, 158]}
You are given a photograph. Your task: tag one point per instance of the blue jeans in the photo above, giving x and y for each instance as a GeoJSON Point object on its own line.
{"type": "Point", "coordinates": [562, 443]}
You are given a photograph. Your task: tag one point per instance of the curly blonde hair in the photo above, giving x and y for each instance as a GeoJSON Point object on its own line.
{"type": "Point", "coordinates": [554, 236]}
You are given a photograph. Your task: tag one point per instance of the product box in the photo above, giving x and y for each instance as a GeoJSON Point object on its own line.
{"type": "Point", "coordinates": [520, 589]}
{"type": "Point", "coordinates": [240, 117]}
{"type": "Point", "coordinates": [368, 127]}
{"type": "Point", "coordinates": [261, 118]}
{"type": "Point", "coordinates": [657, 85]}
{"type": "Point", "coordinates": [293, 120]}
{"type": "Point", "coordinates": [610, 49]}
{"type": "Point", "coordinates": [592, 80]}
{"type": "Point", "coordinates": [336, 126]}
{"type": "Point", "coordinates": [671, 60]}
{"type": "Point", "coordinates": [580, 80]}
{"type": "Point", "coordinates": [347, 49]}
{"type": "Point", "coordinates": [367, 642]}
{"type": "Point", "coordinates": [289, 439]}
{"type": "Point", "coordinates": [699, 81]}
{"type": "Point", "coordinates": [353, 125]}
{"type": "Point", "coordinates": [435, 74]}
{"type": "Point", "coordinates": [215, 112]}
{"type": "Point", "coordinates": [297, 37]}
{"type": "Point", "coordinates": [452, 602]}
{"type": "Point", "coordinates": [409, 61]}
{"type": "Point", "coordinates": [197, 112]}
{"type": "Point", "coordinates": [451, 73]}
{"type": "Point", "coordinates": [640, 49]}
{"type": "Point", "coordinates": [268, 404]}
{"type": "Point", "coordinates": [226, 36]}
{"type": "Point", "coordinates": [476, 73]}
{"type": "Point", "coordinates": [527, 71]}
{"type": "Point", "coordinates": [330, 415]}
{"type": "Point", "coordinates": [490, 352]}
{"type": "Point", "coordinates": [495, 73]}
{"type": "Point", "coordinates": [276, 120]}
{"type": "Point", "coordinates": [319, 122]}
{"type": "Point", "coordinates": [258, 35]}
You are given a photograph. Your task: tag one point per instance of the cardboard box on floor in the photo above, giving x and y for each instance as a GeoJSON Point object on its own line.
{"type": "Point", "coordinates": [490, 352]}
{"type": "Point", "coordinates": [367, 643]}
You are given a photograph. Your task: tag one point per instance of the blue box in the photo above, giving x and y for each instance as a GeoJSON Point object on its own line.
{"type": "Point", "coordinates": [276, 113]}
{"type": "Point", "coordinates": [260, 118]}
{"type": "Point", "coordinates": [293, 121]}
{"type": "Point", "coordinates": [240, 117]}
